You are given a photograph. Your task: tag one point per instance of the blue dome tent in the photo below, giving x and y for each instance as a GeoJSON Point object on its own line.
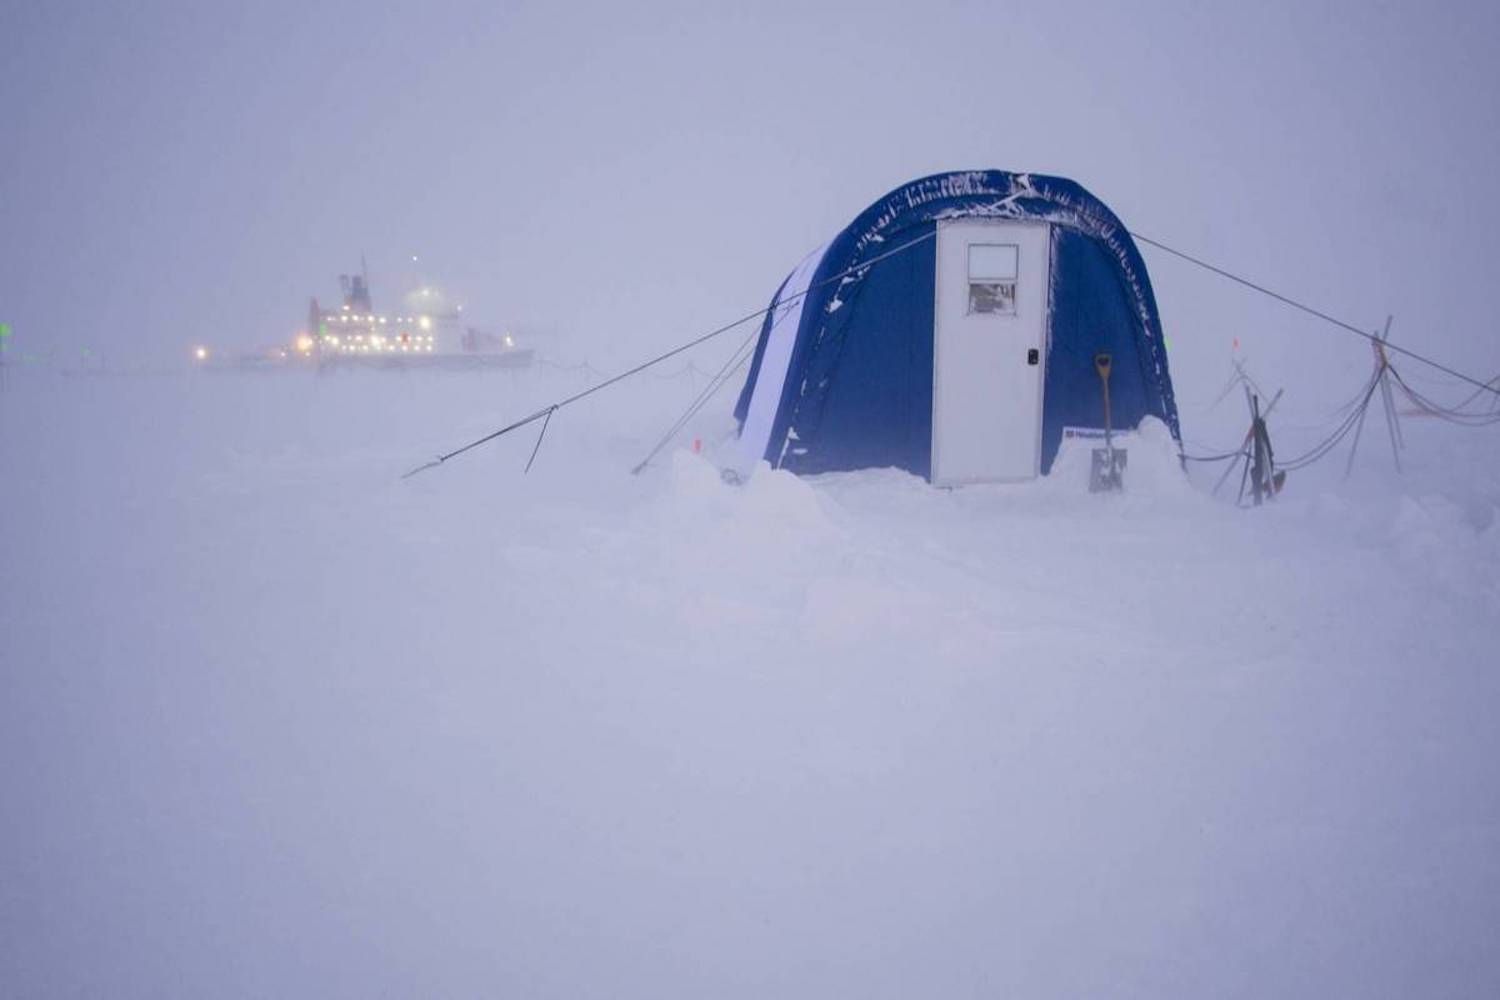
{"type": "Point", "coordinates": [966, 347]}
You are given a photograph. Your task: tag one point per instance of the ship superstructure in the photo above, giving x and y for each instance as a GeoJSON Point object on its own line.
{"type": "Point", "coordinates": [355, 330]}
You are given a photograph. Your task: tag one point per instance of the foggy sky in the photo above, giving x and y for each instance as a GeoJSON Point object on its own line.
{"type": "Point", "coordinates": [630, 175]}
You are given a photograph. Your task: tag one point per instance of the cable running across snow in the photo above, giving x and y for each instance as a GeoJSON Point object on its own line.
{"type": "Point", "coordinates": [1354, 417]}
{"type": "Point", "coordinates": [1454, 414]}
{"type": "Point", "coordinates": [735, 363]}
{"type": "Point", "coordinates": [551, 408]}
{"type": "Point", "coordinates": [1349, 327]}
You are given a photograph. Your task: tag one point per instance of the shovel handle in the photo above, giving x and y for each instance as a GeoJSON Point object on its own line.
{"type": "Point", "coordinates": [1103, 362]}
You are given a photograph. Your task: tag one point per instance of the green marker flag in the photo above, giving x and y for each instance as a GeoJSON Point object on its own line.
{"type": "Point", "coordinates": [4, 336]}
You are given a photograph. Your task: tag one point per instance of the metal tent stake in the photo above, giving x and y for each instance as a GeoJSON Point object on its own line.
{"type": "Point", "coordinates": [1265, 480]}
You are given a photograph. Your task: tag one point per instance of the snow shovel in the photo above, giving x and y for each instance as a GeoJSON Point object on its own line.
{"type": "Point", "coordinates": [1107, 473]}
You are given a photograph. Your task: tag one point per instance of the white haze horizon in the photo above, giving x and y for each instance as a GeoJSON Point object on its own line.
{"type": "Point", "coordinates": [184, 174]}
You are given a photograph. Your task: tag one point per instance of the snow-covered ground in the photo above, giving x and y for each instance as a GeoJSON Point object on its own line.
{"type": "Point", "coordinates": [276, 723]}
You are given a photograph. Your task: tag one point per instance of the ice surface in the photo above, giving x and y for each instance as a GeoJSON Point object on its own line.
{"type": "Point", "coordinates": [275, 723]}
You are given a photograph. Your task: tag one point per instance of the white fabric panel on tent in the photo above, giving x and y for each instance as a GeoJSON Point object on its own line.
{"type": "Point", "coordinates": [765, 398]}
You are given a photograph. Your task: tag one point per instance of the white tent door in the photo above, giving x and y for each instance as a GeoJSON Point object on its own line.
{"type": "Point", "coordinates": [989, 350]}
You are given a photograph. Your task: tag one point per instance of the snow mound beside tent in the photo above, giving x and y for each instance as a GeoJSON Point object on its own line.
{"type": "Point", "coordinates": [1153, 468]}
{"type": "Point", "coordinates": [771, 504]}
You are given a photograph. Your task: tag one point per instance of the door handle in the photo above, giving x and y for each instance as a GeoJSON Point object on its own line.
{"type": "Point", "coordinates": [1033, 356]}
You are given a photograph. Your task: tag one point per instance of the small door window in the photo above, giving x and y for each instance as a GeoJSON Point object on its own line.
{"type": "Point", "coordinates": [993, 268]}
